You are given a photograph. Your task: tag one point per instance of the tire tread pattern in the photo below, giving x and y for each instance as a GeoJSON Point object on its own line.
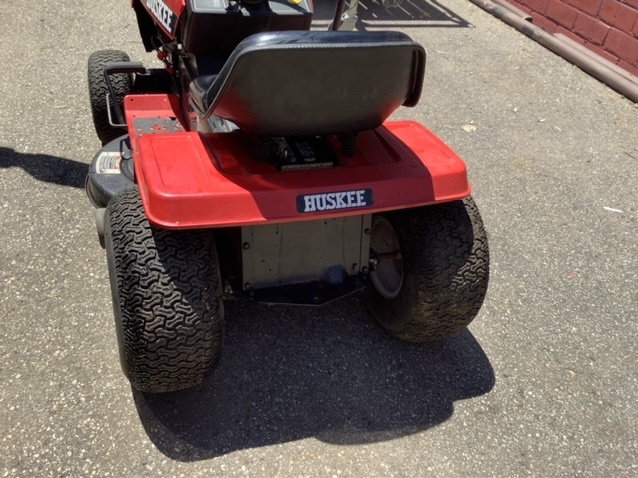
{"type": "Point", "coordinates": [446, 263]}
{"type": "Point", "coordinates": [166, 298]}
{"type": "Point", "coordinates": [98, 89]}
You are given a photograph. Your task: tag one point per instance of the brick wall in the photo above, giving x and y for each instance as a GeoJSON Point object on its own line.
{"type": "Point", "coordinates": [608, 27]}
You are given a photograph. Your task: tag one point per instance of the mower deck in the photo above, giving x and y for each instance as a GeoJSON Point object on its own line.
{"type": "Point", "coordinates": [194, 180]}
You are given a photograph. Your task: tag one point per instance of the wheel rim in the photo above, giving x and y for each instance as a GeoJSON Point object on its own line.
{"type": "Point", "coordinates": [387, 276]}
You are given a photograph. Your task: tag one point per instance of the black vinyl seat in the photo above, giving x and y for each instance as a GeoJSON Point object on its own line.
{"type": "Point", "coordinates": [300, 83]}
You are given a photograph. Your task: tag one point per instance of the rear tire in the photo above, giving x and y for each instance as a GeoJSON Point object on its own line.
{"type": "Point", "coordinates": [166, 298]}
{"type": "Point", "coordinates": [436, 281]}
{"type": "Point", "coordinates": [122, 85]}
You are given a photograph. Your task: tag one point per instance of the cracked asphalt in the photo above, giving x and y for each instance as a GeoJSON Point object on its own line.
{"type": "Point", "coordinates": [544, 382]}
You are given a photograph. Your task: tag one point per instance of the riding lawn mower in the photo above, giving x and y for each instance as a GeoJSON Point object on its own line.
{"type": "Point", "coordinates": [260, 161]}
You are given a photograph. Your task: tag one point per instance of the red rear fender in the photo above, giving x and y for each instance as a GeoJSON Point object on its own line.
{"type": "Point", "coordinates": [193, 180]}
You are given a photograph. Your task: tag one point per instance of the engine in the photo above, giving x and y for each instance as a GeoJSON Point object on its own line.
{"type": "Point", "coordinates": [213, 28]}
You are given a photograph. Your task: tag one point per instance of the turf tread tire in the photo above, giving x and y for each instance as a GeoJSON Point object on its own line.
{"type": "Point", "coordinates": [166, 298]}
{"type": "Point", "coordinates": [122, 85]}
{"type": "Point", "coordinates": [446, 272]}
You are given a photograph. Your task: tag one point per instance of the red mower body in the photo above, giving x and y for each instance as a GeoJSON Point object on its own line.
{"type": "Point", "coordinates": [197, 180]}
{"type": "Point", "coordinates": [261, 161]}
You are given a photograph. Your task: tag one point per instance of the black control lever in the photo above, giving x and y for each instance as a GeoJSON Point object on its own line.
{"type": "Point", "coordinates": [130, 67]}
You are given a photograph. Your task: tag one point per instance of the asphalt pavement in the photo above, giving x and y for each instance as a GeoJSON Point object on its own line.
{"type": "Point", "coordinates": [543, 383]}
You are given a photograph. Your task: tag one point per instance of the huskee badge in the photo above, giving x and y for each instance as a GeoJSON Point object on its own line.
{"type": "Point", "coordinates": [337, 200]}
{"type": "Point", "coordinates": [163, 14]}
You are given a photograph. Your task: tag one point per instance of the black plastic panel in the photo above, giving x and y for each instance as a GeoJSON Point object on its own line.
{"type": "Point", "coordinates": [215, 29]}
{"type": "Point", "coordinates": [111, 171]}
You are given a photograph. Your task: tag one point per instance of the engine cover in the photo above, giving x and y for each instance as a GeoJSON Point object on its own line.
{"type": "Point", "coordinates": [215, 27]}
{"type": "Point", "coordinates": [327, 251]}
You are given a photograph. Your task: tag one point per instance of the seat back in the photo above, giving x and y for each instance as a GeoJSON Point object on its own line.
{"type": "Point", "coordinates": [315, 83]}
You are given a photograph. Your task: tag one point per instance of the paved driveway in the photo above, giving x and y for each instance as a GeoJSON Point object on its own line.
{"type": "Point", "coordinates": [543, 383]}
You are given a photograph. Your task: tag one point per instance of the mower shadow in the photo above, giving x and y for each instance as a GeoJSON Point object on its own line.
{"type": "Point", "coordinates": [410, 14]}
{"type": "Point", "coordinates": [331, 373]}
{"type": "Point", "coordinates": [50, 169]}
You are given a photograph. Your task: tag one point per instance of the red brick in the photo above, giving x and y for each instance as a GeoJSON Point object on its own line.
{"type": "Point", "coordinates": [618, 15]}
{"type": "Point", "coordinates": [521, 6]}
{"type": "Point", "coordinates": [604, 54]}
{"type": "Point", "coordinates": [633, 3]}
{"type": "Point", "coordinates": [591, 29]}
{"type": "Point", "coordinates": [636, 29]}
{"type": "Point", "coordinates": [570, 34]}
{"type": "Point", "coordinates": [544, 23]}
{"type": "Point", "coordinates": [633, 69]}
{"type": "Point", "coordinates": [539, 6]}
{"type": "Point", "coordinates": [590, 7]}
{"type": "Point", "coordinates": [623, 46]}
{"type": "Point", "coordinates": [562, 13]}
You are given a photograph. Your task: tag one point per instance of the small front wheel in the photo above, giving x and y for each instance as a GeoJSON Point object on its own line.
{"type": "Point", "coordinates": [167, 303]}
{"type": "Point", "coordinates": [431, 270]}
{"type": "Point", "coordinates": [122, 84]}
